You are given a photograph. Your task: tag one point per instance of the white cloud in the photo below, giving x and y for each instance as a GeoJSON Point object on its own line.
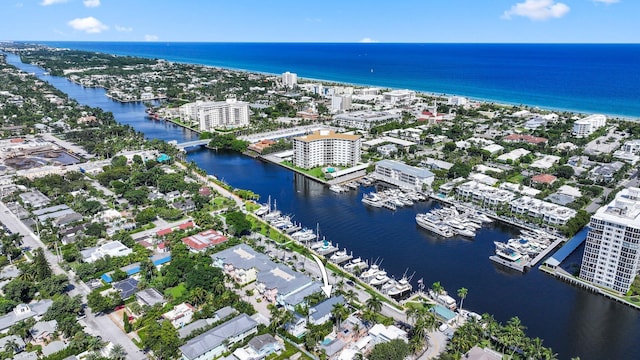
{"type": "Point", "coordinates": [151, 37]}
{"type": "Point", "coordinates": [538, 10]}
{"type": "Point", "coordinates": [90, 25]}
{"type": "Point", "coordinates": [123, 28]}
{"type": "Point", "coordinates": [91, 3]}
{"type": "Point", "coordinates": [606, 1]}
{"type": "Point", "coordinates": [51, 2]}
{"type": "Point", "coordinates": [368, 40]}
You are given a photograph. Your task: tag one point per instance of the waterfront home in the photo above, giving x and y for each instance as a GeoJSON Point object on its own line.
{"type": "Point", "coordinates": [478, 353]}
{"type": "Point", "coordinates": [216, 341]}
{"type": "Point", "coordinates": [487, 196]}
{"type": "Point", "coordinates": [403, 175]}
{"type": "Point", "coordinates": [539, 209]}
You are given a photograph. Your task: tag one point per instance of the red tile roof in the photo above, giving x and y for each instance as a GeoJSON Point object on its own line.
{"type": "Point", "coordinates": [164, 232]}
{"type": "Point", "coordinates": [544, 179]}
{"type": "Point", "coordinates": [204, 240]}
{"type": "Point", "coordinates": [525, 138]}
{"type": "Point", "coordinates": [189, 224]}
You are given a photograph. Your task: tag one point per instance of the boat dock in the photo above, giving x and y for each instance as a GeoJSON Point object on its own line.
{"type": "Point", "coordinates": [556, 259]}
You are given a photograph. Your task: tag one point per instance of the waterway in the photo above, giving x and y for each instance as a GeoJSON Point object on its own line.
{"type": "Point", "coordinates": [571, 321]}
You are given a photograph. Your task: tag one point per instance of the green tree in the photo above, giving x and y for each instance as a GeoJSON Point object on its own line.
{"type": "Point", "coordinates": [374, 304]}
{"type": "Point", "coordinates": [97, 302]}
{"type": "Point", "coordinates": [392, 350]}
{"type": "Point", "coordinates": [462, 294]}
{"type": "Point", "coordinates": [118, 352]}
{"type": "Point", "coordinates": [40, 265]}
{"type": "Point", "coordinates": [238, 223]}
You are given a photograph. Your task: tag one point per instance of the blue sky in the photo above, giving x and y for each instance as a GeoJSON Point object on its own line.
{"type": "Point", "coordinates": [520, 21]}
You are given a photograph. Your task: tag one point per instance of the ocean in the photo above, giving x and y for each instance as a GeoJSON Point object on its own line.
{"type": "Point", "coordinates": [585, 78]}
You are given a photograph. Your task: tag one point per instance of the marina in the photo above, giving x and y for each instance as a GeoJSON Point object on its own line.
{"type": "Point", "coordinates": [375, 276]}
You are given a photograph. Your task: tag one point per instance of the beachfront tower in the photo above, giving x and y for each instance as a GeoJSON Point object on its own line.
{"type": "Point", "coordinates": [289, 80]}
{"type": "Point", "coordinates": [612, 251]}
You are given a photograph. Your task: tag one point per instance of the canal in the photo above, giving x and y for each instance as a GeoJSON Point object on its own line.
{"type": "Point", "coordinates": [571, 321]}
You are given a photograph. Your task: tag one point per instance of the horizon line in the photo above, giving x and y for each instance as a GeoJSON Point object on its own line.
{"type": "Point", "coordinates": [324, 42]}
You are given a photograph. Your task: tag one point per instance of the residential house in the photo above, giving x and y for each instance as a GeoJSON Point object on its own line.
{"type": "Point", "coordinates": [180, 315]}
{"type": "Point", "coordinates": [44, 330]}
{"type": "Point", "coordinates": [204, 240]}
{"type": "Point", "coordinates": [216, 341]}
{"type": "Point", "coordinates": [150, 297]}
{"type": "Point", "coordinates": [321, 313]}
{"type": "Point", "coordinates": [22, 312]}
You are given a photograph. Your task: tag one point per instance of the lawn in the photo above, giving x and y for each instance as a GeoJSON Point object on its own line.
{"type": "Point", "coordinates": [516, 179]}
{"type": "Point", "coordinates": [176, 292]}
{"type": "Point", "coordinates": [315, 172]}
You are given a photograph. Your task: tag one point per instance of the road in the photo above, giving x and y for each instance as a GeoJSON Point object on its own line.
{"type": "Point", "coordinates": [100, 325]}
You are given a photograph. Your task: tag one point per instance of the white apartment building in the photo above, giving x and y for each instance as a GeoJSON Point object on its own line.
{"type": "Point", "coordinates": [612, 250]}
{"type": "Point", "coordinates": [325, 147]}
{"type": "Point", "coordinates": [399, 96]}
{"type": "Point", "coordinates": [587, 126]}
{"type": "Point", "coordinates": [289, 80]}
{"type": "Point", "coordinates": [365, 120]}
{"type": "Point", "coordinates": [403, 175]}
{"type": "Point", "coordinates": [340, 103]}
{"type": "Point", "coordinates": [550, 213]}
{"type": "Point", "coordinates": [216, 114]}
{"type": "Point", "coordinates": [487, 196]}
{"type": "Point", "coordinates": [457, 100]}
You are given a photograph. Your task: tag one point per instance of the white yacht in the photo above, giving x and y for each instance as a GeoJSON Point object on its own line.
{"type": "Point", "coordinates": [460, 228]}
{"type": "Point", "coordinates": [434, 225]}
{"type": "Point", "coordinates": [370, 273]}
{"type": "Point", "coordinates": [381, 278]}
{"type": "Point", "coordinates": [372, 200]}
{"type": "Point", "coordinates": [263, 210]}
{"type": "Point", "coordinates": [340, 256]}
{"type": "Point", "coordinates": [389, 205]}
{"type": "Point", "coordinates": [356, 263]}
{"type": "Point", "coordinates": [304, 235]}
{"type": "Point", "coordinates": [401, 288]}
{"type": "Point", "coordinates": [337, 188]}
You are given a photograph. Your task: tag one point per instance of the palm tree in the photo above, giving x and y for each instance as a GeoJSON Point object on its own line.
{"type": "Point", "coordinates": [437, 288]}
{"type": "Point", "coordinates": [198, 296]}
{"type": "Point", "coordinates": [350, 296]}
{"type": "Point", "coordinates": [462, 294]}
{"type": "Point", "coordinates": [118, 352]}
{"type": "Point", "coordinates": [339, 312]}
{"type": "Point", "coordinates": [374, 304]}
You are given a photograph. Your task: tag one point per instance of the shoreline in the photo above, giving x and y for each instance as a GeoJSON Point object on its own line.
{"type": "Point", "coordinates": [343, 82]}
